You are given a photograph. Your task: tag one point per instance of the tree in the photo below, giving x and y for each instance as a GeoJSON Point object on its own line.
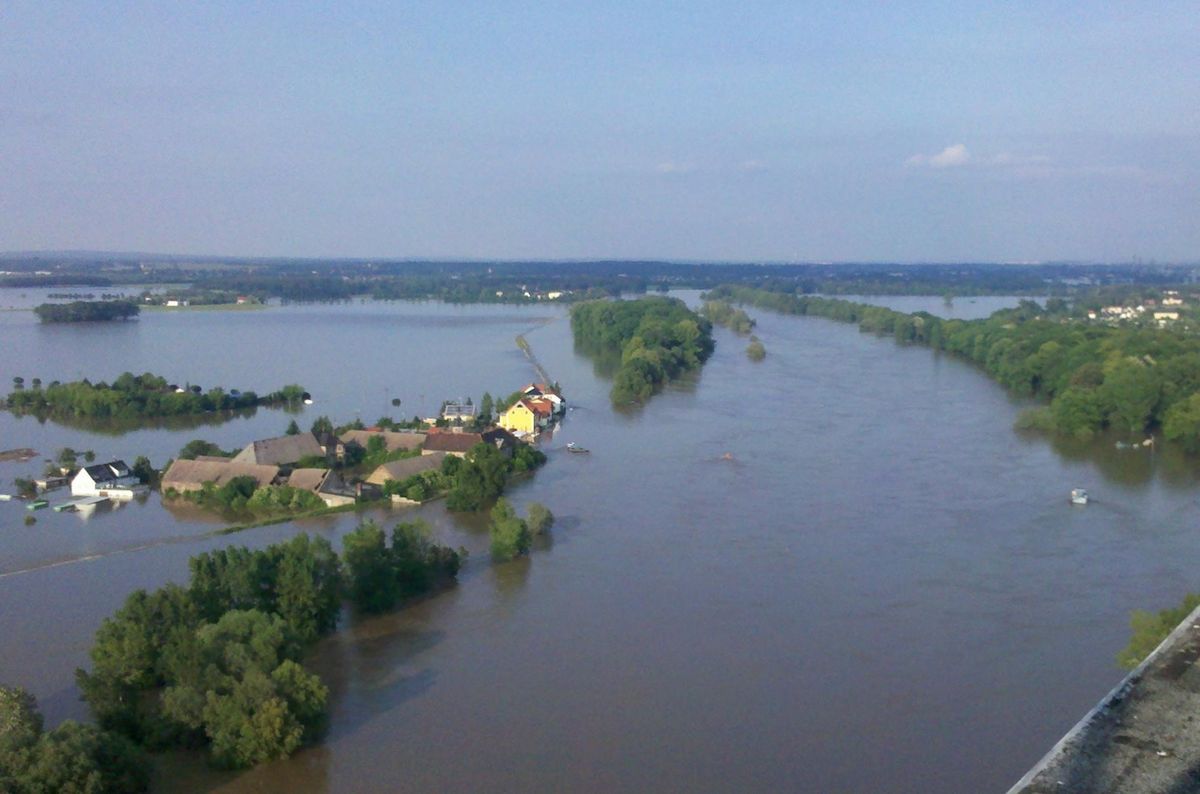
{"type": "Point", "coordinates": [1150, 629]}
{"type": "Point", "coordinates": [509, 534]}
{"type": "Point", "coordinates": [755, 351]}
{"type": "Point", "coordinates": [372, 587]}
{"type": "Point", "coordinates": [245, 691]}
{"type": "Point", "coordinates": [293, 429]}
{"type": "Point", "coordinates": [540, 518]}
{"type": "Point", "coordinates": [1182, 423]}
{"type": "Point", "coordinates": [1131, 390]}
{"type": "Point", "coordinates": [485, 408]}
{"type": "Point", "coordinates": [308, 579]}
{"type": "Point", "coordinates": [322, 425]}
{"type": "Point", "coordinates": [144, 470]}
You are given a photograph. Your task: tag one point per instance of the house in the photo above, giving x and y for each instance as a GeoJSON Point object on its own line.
{"type": "Point", "coordinates": [191, 475]}
{"type": "Point", "coordinates": [392, 441]}
{"type": "Point", "coordinates": [544, 409]}
{"type": "Point", "coordinates": [326, 484]}
{"type": "Point", "coordinates": [519, 418]}
{"type": "Point", "coordinates": [176, 303]}
{"type": "Point", "coordinates": [331, 446]}
{"type": "Point", "coordinates": [113, 479]}
{"type": "Point", "coordinates": [1162, 318]}
{"type": "Point", "coordinates": [280, 451]}
{"type": "Point", "coordinates": [458, 411]}
{"type": "Point", "coordinates": [406, 467]}
{"type": "Point", "coordinates": [459, 444]}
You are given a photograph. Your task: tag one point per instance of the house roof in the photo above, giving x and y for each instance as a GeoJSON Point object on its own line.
{"type": "Point", "coordinates": [189, 473]}
{"type": "Point", "coordinates": [279, 451]}
{"type": "Point", "coordinates": [405, 468]}
{"type": "Point", "coordinates": [451, 442]}
{"type": "Point", "coordinates": [114, 469]}
{"type": "Point", "coordinates": [308, 479]}
{"type": "Point", "coordinates": [393, 440]}
{"type": "Point", "coordinates": [540, 406]}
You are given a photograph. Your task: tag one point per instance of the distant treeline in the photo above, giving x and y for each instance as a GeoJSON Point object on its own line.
{"type": "Point", "coordinates": [86, 311]}
{"type": "Point", "coordinates": [136, 396]}
{"type": "Point", "coordinates": [478, 281]}
{"type": "Point", "coordinates": [1095, 377]}
{"type": "Point", "coordinates": [657, 338]}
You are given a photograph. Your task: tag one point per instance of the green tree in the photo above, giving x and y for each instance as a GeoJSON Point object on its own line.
{"type": "Point", "coordinates": [307, 585]}
{"type": "Point", "coordinates": [293, 429]}
{"type": "Point", "coordinates": [321, 425]}
{"type": "Point", "coordinates": [371, 583]}
{"type": "Point", "coordinates": [1182, 423]}
{"type": "Point", "coordinates": [486, 407]}
{"type": "Point", "coordinates": [510, 536]}
{"type": "Point", "coordinates": [245, 691]}
{"type": "Point", "coordinates": [1131, 390]}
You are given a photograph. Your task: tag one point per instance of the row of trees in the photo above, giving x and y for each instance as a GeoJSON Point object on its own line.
{"type": "Point", "coordinates": [216, 664]}
{"type": "Point", "coordinates": [86, 311]}
{"type": "Point", "coordinates": [658, 339]}
{"type": "Point", "coordinates": [137, 396]}
{"type": "Point", "coordinates": [1095, 377]}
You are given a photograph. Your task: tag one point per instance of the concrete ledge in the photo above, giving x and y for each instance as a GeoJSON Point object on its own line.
{"type": "Point", "coordinates": [1141, 737]}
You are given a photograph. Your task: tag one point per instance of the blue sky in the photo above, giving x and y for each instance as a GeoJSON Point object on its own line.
{"type": "Point", "coordinates": [838, 131]}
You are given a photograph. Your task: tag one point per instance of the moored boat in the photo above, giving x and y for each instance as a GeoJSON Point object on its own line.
{"type": "Point", "coordinates": [1079, 496]}
{"type": "Point", "coordinates": [37, 504]}
{"type": "Point", "coordinates": [573, 447]}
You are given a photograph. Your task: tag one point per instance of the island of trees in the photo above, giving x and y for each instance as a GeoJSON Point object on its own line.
{"type": "Point", "coordinates": [216, 664]}
{"type": "Point", "coordinates": [86, 311]}
{"type": "Point", "coordinates": [657, 339]}
{"type": "Point", "coordinates": [145, 396]}
{"type": "Point", "coordinates": [1094, 377]}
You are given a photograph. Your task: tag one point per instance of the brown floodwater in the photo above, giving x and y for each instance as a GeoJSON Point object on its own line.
{"type": "Point", "coordinates": [839, 569]}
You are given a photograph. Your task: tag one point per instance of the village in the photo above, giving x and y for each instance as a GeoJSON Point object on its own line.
{"type": "Point", "coordinates": [1163, 312]}
{"type": "Point", "coordinates": [340, 467]}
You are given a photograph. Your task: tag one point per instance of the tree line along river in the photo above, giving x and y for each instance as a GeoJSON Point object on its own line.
{"type": "Point", "coordinates": [836, 569]}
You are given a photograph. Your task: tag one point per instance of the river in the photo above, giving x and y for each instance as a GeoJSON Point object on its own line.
{"type": "Point", "coordinates": [885, 588]}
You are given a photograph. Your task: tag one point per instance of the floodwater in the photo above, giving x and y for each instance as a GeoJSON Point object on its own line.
{"type": "Point", "coordinates": [839, 569]}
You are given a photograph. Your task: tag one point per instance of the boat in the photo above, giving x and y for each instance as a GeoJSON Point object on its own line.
{"type": "Point", "coordinates": [4, 497]}
{"type": "Point", "coordinates": [37, 504]}
{"type": "Point", "coordinates": [65, 507]}
{"type": "Point", "coordinates": [573, 447]}
{"type": "Point", "coordinates": [1079, 496]}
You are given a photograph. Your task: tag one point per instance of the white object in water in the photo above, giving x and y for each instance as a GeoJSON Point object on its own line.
{"type": "Point", "coordinates": [1079, 496]}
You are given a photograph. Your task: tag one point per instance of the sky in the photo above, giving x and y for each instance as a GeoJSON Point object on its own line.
{"type": "Point", "coordinates": [711, 131]}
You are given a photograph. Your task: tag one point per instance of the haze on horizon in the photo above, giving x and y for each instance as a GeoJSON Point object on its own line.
{"type": "Point", "coordinates": [707, 131]}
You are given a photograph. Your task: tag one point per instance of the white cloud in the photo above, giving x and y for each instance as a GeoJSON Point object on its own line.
{"type": "Point", "coordinates": [950, 157]}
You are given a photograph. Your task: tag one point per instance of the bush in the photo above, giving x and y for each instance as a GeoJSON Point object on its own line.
{"type": "Point", "coordinates": [510, 535]}
{"type": "Point", "coordinates": [540, 518]}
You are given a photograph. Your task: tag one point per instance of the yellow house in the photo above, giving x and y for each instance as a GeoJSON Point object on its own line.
{"type": "Point", "coordinates": [519, 418]}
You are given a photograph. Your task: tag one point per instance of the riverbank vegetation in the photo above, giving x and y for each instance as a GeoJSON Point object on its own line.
{"type": "Point", "coordinates": [1093, 376]}
{"type": "Point", "coordinates": [756, 351]}
{"type": "Point", "coordinates": [217, 664]}
{"type": "Point", "coordinates": [1151, 628]}
{"type": "Point", "coordinates": [145, 396]}
{"type": "Point", "coordinates": [658, 339]}
{"type": "Point", "coordinates": [86, 311]}
{"type": "Point", "coordinates": [720, 312]}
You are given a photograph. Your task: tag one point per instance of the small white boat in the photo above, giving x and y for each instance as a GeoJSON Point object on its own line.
{"type": "Point", "coordinates": [4, 497]}
{"type": "Point", "coordinates": [573, 447]}
{"type": "Point", "coordinates": [1079, 496]}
